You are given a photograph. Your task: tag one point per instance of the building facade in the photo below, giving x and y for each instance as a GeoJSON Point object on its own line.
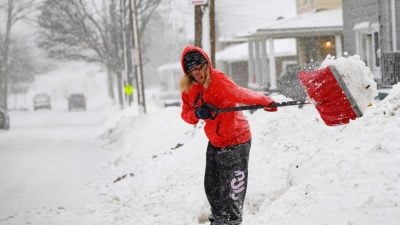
{"type": "Point", "coordinates": [317, 31]}
{"type": "Point", "coordinates": [372, 33]}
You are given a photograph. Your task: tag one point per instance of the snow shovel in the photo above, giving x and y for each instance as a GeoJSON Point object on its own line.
{"type": "Point", "coordinates": [330, 95]}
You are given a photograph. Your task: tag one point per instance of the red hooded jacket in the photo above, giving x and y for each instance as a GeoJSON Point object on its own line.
{"type": "Point", "coordinates": [229, 128]}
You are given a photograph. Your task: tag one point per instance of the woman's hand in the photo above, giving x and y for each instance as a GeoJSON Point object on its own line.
{"type": "Point", "coordinates": [270, 105]}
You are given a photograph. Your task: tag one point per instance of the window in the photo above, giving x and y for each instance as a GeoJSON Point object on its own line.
{"type": "Point", "coordinates": [368, 46]}
{"type": "Point", "coordinates": [377, 50]}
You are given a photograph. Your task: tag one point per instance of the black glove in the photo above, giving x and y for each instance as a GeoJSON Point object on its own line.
{"type": "Point", "coordinates": [203, 112]}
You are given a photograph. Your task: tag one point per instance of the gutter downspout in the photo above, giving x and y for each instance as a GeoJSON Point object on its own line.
{"type": "Point", "coordinates": [272, 65]}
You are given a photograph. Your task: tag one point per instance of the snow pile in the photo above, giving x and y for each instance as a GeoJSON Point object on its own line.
{"type": "Point", "coordinates": [391, 104]}
{"type": "Point", "coordinates": [327, 175]}
{"type": "Point", "coordinates": [357, 77]}
{"type": "Point", "coordinates": [348, 175]}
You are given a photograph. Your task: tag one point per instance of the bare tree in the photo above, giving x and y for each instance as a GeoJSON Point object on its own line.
{"type": "Point", "coordinates": [22, 67]}
{"type": "Point", "coordinates": [146, 8]}
{"type": "Point", "coordinates": [77, 30]}
{"type": "Point", "coordinates": [14, 11]}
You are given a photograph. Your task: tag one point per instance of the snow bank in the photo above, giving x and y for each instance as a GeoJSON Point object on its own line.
{"type": "Point", "coordinates": [327, 175]}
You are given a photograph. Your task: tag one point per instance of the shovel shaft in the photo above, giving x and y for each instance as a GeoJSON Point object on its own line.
{"type": "Point", "coordinates": [250, 107]}
{"type": "Point", "coordinates": [289, 103]}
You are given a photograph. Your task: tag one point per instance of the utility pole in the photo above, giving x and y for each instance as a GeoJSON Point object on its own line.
{"type": "Point", "coordinates": [137, 56]}
{"type": "Point", "coordinates": [124, 27]}
{"type": "Point", "coordinates": [124, 47]}
{"type": "Point", "coordinates": [110, 76]}
{"type": "Point", "coordinates": [212, 31]}
{"type": "Point", "coordinates": [115, 39]}
{"type": "Point", "coordinates": [198, 25]}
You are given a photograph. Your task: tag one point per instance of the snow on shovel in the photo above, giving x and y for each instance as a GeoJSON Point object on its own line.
{"type": "Point", "coordinates": [341, 89]}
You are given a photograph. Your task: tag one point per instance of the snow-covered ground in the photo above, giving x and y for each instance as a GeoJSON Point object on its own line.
{"type": "Point", "coordinates": [48, 163]}
{"type": "Point", "coordinates": [104, 166]}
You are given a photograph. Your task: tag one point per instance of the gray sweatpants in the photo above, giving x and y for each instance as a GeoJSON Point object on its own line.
{"type": "Point", "coordinates": [225, 182]}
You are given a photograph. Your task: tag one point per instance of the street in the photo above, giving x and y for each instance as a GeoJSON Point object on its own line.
{"type": "Point", "coordinates": [51, 161]}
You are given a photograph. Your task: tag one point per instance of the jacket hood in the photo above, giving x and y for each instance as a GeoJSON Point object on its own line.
{"type": "Point", "coordinates": [190, 48]}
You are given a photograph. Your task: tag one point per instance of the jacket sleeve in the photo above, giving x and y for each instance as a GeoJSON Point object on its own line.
{"type": "Point", "coordinates": [243, 95]}
{"type": "Point", "coordinates": [187, 113]}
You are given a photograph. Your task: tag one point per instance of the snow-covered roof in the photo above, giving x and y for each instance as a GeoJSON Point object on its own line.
{"type": "Point", "coordinates": [240, 52]}
{"type": "Point", "coordinates": [320, 22]}
{"type": "Point", "coordinates": [239, 18]}
{"type": "Point", "coordinates": [323, 18]}
{"type": "Point", "coordinates": [233, 53]}
{"type": "Point", "coordinates": [169, 67]}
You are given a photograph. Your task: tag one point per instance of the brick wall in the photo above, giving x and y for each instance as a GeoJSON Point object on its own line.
{"type": "Point", "coordinates": [355, 12]}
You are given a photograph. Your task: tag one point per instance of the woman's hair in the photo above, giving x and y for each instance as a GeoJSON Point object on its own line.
{"type": "Point", "coordinates": [187, 79]}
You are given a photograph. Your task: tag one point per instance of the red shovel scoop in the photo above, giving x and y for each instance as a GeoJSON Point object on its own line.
{"type": "Point", "coordinates": [330, 95]}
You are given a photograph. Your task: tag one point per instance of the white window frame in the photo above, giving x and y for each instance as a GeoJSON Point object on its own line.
{"type": "Point", "coordinates": [365, 46]}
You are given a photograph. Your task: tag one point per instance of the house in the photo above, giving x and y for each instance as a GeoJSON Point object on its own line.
{"type": "Point", "coordinates": [373, 33]}
{"type": "Point", "coordinates": [169, 75]}
{"type": "Point", "coordinates": [234, 19]}
{"type": "Point", "coordinates": [234, 60]}
{"type": "Point", "coordinates": [237, 19]}
{"type": "Point", "coordinates": [317, 34]}
{"type": "Point", "coordinates": [330, 27]}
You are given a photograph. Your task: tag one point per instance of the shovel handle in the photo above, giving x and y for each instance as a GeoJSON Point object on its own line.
{"type": "Point", "coordinates": [250, 107]}
{"type": "Point", "coordinates": [289, 103]}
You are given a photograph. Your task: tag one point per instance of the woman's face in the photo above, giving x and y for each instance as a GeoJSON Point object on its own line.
{"type": "Point", "coordinates": [198, 73]}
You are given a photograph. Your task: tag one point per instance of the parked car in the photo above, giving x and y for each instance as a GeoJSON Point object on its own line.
{"type": "Point", "coordinates": [4, 119]}
{"type": "Point", "coordinates": [41, 101]}
{"type": "Point", "coordinates": [168, 99]}
{"type": "Point", "coordinates": [76, 101]}
{"type": "Point", "coordinates": [383, 92]}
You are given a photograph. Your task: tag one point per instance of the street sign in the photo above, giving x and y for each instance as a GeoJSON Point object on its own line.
{"type": "Point", "coordinates": [199, 2]}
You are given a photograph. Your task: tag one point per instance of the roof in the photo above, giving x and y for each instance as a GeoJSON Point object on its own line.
{"type": "Point", "coordinates": [238, 18]}
{"type": "Point", "coordinates": [233, 53]}
{"type": "Point", "coordinates": [176, 66]}
{"type": "Point", "coordinates": [308, 24]}
{"type": "Point", "coordinates": [240, 52]}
